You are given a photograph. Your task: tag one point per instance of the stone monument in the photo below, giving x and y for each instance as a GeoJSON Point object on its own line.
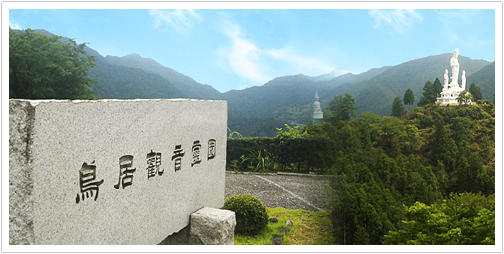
{"type": "Point", "coordinates": [112, 171]}
{"type": "Point", "coordinates": [451, 90]}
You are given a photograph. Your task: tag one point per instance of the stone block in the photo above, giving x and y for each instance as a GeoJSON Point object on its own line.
{"type": "Point", "coordinates": [112, 171]}
{"type": "Point", "coordinates": [210, 226]}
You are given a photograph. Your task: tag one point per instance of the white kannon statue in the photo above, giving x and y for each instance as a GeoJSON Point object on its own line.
{"type": "Point", "coordinates": [455, 68]}
{"type": "Point", "coordinates": [445, 84]}
{"type": "Point", "coordinates": [452, 90]}
{"type": "Point", "coordinates": [463, 80]}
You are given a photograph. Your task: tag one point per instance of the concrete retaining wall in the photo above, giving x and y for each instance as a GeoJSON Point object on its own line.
{"type": "Point", "coordinates": [112, 171]}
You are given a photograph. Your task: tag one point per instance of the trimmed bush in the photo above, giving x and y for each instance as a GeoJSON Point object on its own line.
{"type": "Point", "coordinates": [250, 213]}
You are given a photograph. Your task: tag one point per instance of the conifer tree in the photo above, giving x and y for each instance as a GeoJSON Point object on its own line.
{"type": "Point", "coordinates": [442, 147]}
{"type": "Point", "coordinates": [438, 87]}
{"type": "Point", "coordinates": [397, 107]}
{"type": "Point", "coordinates": [409, 98]}
{"type": "Point", "coordinates": [464, 176]}
{"type": "Point", "coordinates": [430, 92]}
{"type": "Point", "coordinates": [475, 90]}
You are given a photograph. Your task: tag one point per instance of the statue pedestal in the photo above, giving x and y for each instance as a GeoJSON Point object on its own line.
{"type": "Point", "coordinates": [449, 96]}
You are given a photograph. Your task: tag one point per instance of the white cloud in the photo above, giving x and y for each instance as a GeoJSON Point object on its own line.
{"type": "Point", "coordinates": [399, 20]}
{"type": "Point", "coordinates": [246, 59]}
{"type": "Point", "coordinates": [242, 55]}
{"type": "Point", "coordinates": [14, 25]}
{"type": "Point", "coordinates": [178, 19]}
{"type": "Point", "coordinates": [452, 19]}
{"type": "Point", "coordinates": [301, 63]}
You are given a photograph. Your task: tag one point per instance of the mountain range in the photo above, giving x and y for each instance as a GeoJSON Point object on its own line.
{"type": "Point", "coordinates": [286, 99]}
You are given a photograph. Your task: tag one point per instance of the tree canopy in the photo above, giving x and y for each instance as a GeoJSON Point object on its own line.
{"type": "Point", "coordinates": [464, 97]}
{"type": "Point", "coordinates": [464, 219]}
{"type": "Point", "coordinates": [430, 92]}
{"type": "Point", "coordinates": [42, 67]}
{"type": "Point", "coordinates": [343, 107]}
{"type": "Point", "coordinates": [475, 90]}
{"type": "Point", "coordinates": [397, 107]}
{"type": "Point", "coordinates": [409, 97]}
{"type": "Point", "coordinates": [425, 178]}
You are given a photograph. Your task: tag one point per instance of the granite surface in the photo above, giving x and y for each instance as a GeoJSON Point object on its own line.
{"type": "Point", "coordinates": [112, 171]}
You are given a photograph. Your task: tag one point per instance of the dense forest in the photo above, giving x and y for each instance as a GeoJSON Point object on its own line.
{"type": "Point", "coordinates": [427, 177]}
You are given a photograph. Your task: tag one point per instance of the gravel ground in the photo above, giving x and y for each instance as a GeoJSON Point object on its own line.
{"type": "Point", "coordinates": [287, 191]}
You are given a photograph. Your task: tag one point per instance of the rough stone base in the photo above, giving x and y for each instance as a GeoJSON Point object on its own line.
{"type": "Point", "coordinates": [210, 226]}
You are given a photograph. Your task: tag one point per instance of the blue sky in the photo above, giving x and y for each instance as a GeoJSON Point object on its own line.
{"type": "Point", "coordinates": [238, 48]}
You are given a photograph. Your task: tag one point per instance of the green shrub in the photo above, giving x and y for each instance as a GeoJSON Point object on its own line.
{"type": "Point", "coordinates": [251, 214]}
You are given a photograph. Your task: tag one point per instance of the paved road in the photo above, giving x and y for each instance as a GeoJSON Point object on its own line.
{"type": "Point", "coordinates": [290, 192]}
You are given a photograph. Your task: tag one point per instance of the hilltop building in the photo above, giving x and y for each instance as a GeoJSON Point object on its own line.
{"type": "Point", "coordinates": [317, 111]}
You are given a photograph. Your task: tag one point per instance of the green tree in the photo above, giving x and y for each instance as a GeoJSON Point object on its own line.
{"type": "Point", "coordinates": [430, 92]}
{"type": "Point", "coordinates": [463, 219]}
{"type": "Point", "coordinates": [464, 97]}
{"type": "Point", "coordinates": [442, 148]}
{"type": "Point", "coordinates": [471, 176]}
{"type": "Point", "coordinates": [438, 87]}
{"type": "Point", "coordinates": [397, 107]}
{"type": "Point", "coordinates": [427, 94]}
{"type": "Point", "coordinates": [461, 134]}
{"type": "Point", "coordinates": [42, 67]}
{"type": "Point", "coordinates": [343, 107]}
{"type": "Point", "coordinates": [409, 98]}
{"type": "Point", "coordinates": [475, 90]}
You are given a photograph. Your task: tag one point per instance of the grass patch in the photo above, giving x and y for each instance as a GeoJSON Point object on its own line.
{"type": "Point", "coordinates": [309, 228]}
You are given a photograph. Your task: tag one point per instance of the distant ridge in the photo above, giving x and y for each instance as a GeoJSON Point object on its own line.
{"type": "Point", "coordinates": [287, 99]}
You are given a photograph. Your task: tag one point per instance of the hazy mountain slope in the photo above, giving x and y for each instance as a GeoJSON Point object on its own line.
{"type": "Point", "coordinates": [485, 78]}
{"type": "Point", "coordinates": [283, 97]}
{"type": "Point", "coordinates": [394, 81]}
{"type": "Point", "coordinates": [182, 82]}
{"type": "Point", "coordinates": [260, 101]}
{"type": "Point", "coordinates": [287, 98]}
{"type": "Point", "coordinates": [121, 82]}
{"type": "Point", "coordinates": [352, 78]}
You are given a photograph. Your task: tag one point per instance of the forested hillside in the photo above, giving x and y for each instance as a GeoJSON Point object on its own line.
{"type": "Point", "coordinates": [117, 82]}
{"type": "Point", "coordinates": [377, 94]}
{"type": "Point", "coordinates": [287, 99]}
{"type": "Point", "coordinates": [485, 78]}
{"type": "Point", "coordinates": [121, 82]}
{"type": "Point", "coordinates": [185, 84]}
{"type": "Point", "coordinates": [425, 178]}
{"type": "Point", "coordinates": [261, 101]}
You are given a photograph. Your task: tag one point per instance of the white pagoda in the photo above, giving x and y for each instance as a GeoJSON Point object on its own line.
{"type": "Point", "coordinates": [317, 112]}
{"type": "Point", "coordinates": [451, 90]}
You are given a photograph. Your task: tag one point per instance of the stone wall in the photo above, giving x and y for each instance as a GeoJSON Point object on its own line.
{"type": "Point", "coordinates": [112, 171]}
